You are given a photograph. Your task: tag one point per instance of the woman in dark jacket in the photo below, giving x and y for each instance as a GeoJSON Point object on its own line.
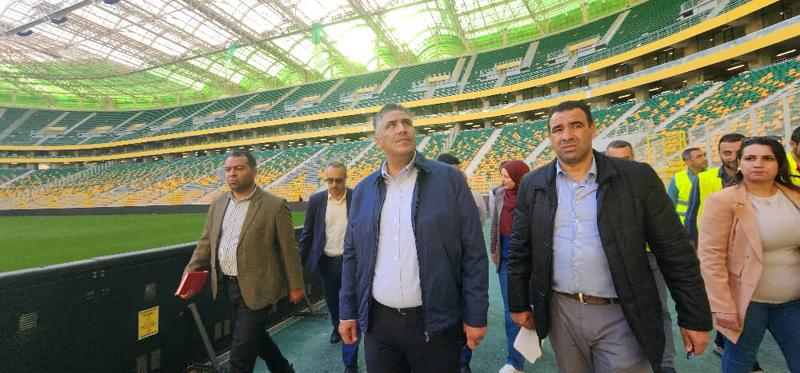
{"type": "Point", "coordinates": [502, 220]}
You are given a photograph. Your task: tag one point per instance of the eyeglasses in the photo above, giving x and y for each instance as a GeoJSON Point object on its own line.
{"type": "Point", "coordinates": [334, 181]}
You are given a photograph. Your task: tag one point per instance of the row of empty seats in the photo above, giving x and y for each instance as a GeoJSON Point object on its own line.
{"type": "Point", "coordinates": [516, 141]}
{"type": "Point", "coordinates": [748, 102]}
{"type": "Point", "coordinates": [657, 109]}
{"type": "Point", "coordinates": [739, 93]}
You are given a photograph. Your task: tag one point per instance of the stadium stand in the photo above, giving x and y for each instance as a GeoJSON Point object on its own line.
{"type": "Point", "coordinates": [516, 141]}
{"type": "Point", "coordinates": [305, 97]}
{"type": "Point", "coordinates": [208, 113]}
{"type": "Point", "coordinates": [644, 18]}
{"type": "Point", "coordinates": [467, 144]}
{"type": "Point", "coordinates": [350, 92]}
{"type": "Point", "coordinates": [400, 87]}
{"type": "Point", "coordinates": [255, 108]}
{"type": "Point", "coordinates": [607, 116]}
{"type": "Point", "coordinates": [739, 93]}
{"type": "Point", "coordinates": [188, 186]}
{"type": "Point", "coordinates": [658, 109]}
{"type": "Point", "coordinates": [8, 175]}
{"type": "Point", "coordinates": [436, 145]}
{"type": "Point", "coordinates": [32, 190]}
{"type": "Point", "coordinates": [140, 126]}
{"type": "Point", "coordinates": [485, 70]}
{"type": "Point", "coordinates": [197, 179]}
{"type": "Point", "coordinates": [36, 121]}
{"type": "Point", "coordinates": [310, 177]}
{"type": "Point", "coordinates": [553, 46]}
{"type": "Point", "coordinates": [97, 125]}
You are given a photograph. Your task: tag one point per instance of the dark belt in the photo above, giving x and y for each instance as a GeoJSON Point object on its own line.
{"type": "Point", "coordinates": [590, 299]}
{"type": "Point", "coordinates": [411, 311]}
{"type": "Point", "coordinates": [234, 279]}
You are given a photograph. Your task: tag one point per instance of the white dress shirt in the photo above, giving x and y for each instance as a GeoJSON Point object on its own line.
{"type": "Point", "coordinates": [396, 282]}
{"type": "Point", "coordinates": [335, 225]}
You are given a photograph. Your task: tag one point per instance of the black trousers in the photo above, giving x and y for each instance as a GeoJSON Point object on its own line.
{"type": "Point", "coordinates": [249, 337]}
{"type": "Point", "coordinates": [396, 343]}
{"type": "Point", "coordinates": [330, 270]}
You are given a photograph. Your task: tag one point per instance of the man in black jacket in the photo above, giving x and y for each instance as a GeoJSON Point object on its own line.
{"type": "Point", "coordinates": [578, 256]}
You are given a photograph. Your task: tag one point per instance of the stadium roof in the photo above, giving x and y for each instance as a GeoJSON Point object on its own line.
{"type": "Point", "coordinates": [99, 50]}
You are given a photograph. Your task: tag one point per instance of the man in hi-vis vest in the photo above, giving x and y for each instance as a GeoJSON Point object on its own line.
{"type": "Point", "coordinates": [714, 179]}
{"type": "Point", "coordinates": [793, 155]}
{"type": "Point", "coordinates": [684, 192]}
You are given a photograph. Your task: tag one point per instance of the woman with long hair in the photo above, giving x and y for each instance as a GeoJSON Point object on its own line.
{"type": "Point", "coordinates": [505, 200]}
{"type": "Point", "coordinates": [749, 248]}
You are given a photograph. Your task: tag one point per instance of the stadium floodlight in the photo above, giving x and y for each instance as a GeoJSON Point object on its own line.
{"type": "Point", "coordinates": [59, 20]}
{"type": "Point", "coordinates": [25, 33]}
{"type": "Point", "coordinates": [110, 2]}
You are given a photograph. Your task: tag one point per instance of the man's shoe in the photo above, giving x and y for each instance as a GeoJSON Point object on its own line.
{"type": "Point", "coordinates": [351, 369]}
{"type": "Point", "coordinates": [335, 337]}
{"type": "Point", "coordinates": [668, 370]}
{"type": "Point", "coordinates": [508, 368]}
{"type": "Point", "coordinates": [464, 369]}
{"type": "Point", "coordinates": [757, 367]}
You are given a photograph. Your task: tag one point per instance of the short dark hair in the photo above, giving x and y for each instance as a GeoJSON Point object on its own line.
{"type": "Point", "coordinates": [569, 105]}
{"type": "Point", "coordinates": [730, 137]}
{"type": "Point", "coordinates": [385, 109]}
{"type": "Point", "coordinates": [796, 135]}
{"type": "Point", "coordinates": [448, 159]}
{"type": "Point", "coordinates": [337, 164]}
{"type": "Point", "coordinates": [251, 160]}
{"type": "Point", "coordinates": [688, 153]}
{"type": "Point", "coordinates": [619, 144]}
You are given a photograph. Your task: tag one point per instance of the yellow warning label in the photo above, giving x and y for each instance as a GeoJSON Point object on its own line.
{"type": "Point", "coordinates": [148, 322]}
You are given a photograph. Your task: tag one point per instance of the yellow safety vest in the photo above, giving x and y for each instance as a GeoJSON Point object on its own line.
{"type": "Point", "coordinates": [793, 172]}
{"type": "Point", "coordinates": [709, 182]}
{"type": "Point", "coordinates": [684, 185]}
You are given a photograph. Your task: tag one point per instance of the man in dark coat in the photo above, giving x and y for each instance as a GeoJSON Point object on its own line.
{"type": "Point", "coordinates": [578, 256]}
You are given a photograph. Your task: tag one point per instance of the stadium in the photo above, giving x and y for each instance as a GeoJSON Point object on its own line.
{"type": "Point", "coordinates": [116, 118]}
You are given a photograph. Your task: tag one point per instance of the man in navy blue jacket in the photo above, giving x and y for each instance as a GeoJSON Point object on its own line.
{"type": "Point", "coordinates": [415, 272]}
{"type": "Point", "coordinates": [322, 244]}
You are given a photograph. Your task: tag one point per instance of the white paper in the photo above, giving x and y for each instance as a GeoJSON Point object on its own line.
{"type": "Point", "coordinates": [527, 343]}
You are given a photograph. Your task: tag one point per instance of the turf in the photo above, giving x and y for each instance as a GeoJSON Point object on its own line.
{"type": "Point", "coordinates": [35, 241]}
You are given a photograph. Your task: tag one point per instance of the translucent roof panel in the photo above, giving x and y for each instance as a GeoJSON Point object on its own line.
{"type": "Point", "coordinates": [214, 47]}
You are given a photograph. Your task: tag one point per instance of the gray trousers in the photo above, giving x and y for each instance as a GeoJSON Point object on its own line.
{"type": "Point", "coordinates": [593, 338]}
{"type": "Point", "coordinates": [668, 358]}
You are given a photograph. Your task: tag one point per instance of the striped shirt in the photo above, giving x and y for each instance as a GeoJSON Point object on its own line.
{"type": "Point", "coordinates": [231, 230]}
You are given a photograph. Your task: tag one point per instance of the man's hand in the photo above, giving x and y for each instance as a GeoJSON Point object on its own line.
{"type": "Point", "coordinates": [187, 295]}
{"type": "Point", "coordinates": [349, 331]}
{"type": "Point", "coordinates": [727, 320]}
{"type": "Point", "coordinates": [474, 335]}
{"type": "Point", "coordinates": [523, 319]}
{"type": "Point", "coordinates": [695, 341]}
{"type": "Point", "coordinates": [295, 295]}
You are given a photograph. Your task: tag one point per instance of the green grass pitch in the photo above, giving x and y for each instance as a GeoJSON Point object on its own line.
{"type": "Point", "coordinates": [35, 241]}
